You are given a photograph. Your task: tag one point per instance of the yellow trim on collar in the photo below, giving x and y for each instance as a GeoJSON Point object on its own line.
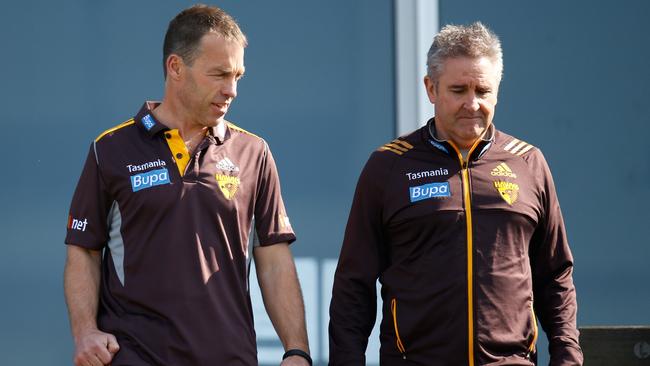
{"type": "Point", "coordinates": [239, 129]}
{"type": "Point", "coordinates": [178, 149]}
{"type": "Point", "coordinates": [111, 130]}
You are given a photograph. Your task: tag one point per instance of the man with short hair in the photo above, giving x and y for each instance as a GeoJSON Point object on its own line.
{"type": "Point", "coordinates": [159, 227]}
{"type": "Point", "coordinates": [461, 224]}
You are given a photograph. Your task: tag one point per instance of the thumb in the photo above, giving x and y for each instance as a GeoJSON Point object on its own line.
{"type": "Point", "coordinates": [112, 345]}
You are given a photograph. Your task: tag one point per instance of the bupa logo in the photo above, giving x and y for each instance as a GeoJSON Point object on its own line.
{"type": "Point", "coordinates": [430, 190]}
{"type": "Point", "coordinates": [77, 224]}
{"type": "Point", "coordinates": [148, 122]}
{"type": "Point", "coordinates": [149, 179]}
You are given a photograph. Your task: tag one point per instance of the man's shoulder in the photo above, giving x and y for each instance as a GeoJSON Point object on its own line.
{"type": "Point", "coordinates": [397, 147]}
{"type": "Point", "coordinates": [400, 146]}
{"type": "Point", "coordinates": [514, 146]}
{"type": "Point", "coordinates": [245, 138]}
{"type": "Point", "coordinates": [393, 153]}
{"type": "Point", "coordinates": [116, 131]}
{"type": "Point", "coordinates": [238, 131]}
{"type": "Point", "coordinates": [510, 148]}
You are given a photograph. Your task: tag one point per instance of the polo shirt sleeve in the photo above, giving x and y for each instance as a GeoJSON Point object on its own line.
{"type": "Point", "coordinates": [271, 221]}
{"type": "Point", "coordinates": [87, 219]}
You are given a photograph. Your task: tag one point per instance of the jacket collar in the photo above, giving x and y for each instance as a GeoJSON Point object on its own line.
{"type": "Point", "coordinates": [445, 146]}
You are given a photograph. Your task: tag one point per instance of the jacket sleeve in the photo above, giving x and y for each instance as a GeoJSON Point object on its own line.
{"type": "Point", "coordinates": [354, 301]}
{"type": "Point", "coordinates": [552, 268]}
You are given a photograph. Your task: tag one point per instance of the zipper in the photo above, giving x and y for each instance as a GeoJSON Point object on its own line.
{"type": "Point", "coordinates": [398, 342]}
{"type": "Point", "coordinates": [464, 164]}
{"type": "Point", "coordinates": [531, 347]}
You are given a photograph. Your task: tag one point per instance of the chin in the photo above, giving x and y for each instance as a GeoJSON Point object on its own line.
{"type": "Point", "coordinates": [216, 118]}
{"type": "Point", "coordinates": [213, 122]}
{"type": "Point", "coordinates": [210, 121]}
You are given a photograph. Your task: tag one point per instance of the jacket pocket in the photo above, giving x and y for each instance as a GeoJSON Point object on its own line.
{"type": "Point", "coordinates": [398, 339]}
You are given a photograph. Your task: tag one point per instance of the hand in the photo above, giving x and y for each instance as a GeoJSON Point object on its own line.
{"type": "Point", "coordinates": [294, 361]}
{"type": "Point", "coordinates": [95, 348]}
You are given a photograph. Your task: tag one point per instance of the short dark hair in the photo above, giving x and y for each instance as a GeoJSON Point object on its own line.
{"type": "Point", "coordinates": [190, 25]}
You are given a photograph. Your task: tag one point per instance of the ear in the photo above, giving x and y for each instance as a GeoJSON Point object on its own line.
{"type": "Point", "coordinates": [430, 86]}
{"type": "Point", "coordinates": [175, 66]}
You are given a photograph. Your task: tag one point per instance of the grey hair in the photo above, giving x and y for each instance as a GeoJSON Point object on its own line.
{"type": "Point", "coordinates": [474, 41]}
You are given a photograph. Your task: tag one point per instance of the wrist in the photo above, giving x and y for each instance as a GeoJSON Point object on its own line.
{"type": "Point", "coordinates": [299, 353]}
{"type": "Point", "coordinates": [81, 331]}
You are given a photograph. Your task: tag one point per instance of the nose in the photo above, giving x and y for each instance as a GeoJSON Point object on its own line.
{"type": "Point", "coordinates": [471, 102]}
{"type": "Point", "coordinates": [229, 88]}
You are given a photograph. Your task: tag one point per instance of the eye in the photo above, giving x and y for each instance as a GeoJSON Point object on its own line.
{"type": "Point", "coordinates": [483, 91]}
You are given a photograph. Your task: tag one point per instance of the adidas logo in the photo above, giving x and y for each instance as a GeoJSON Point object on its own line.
{"type": "Point", "coordinates": [227, 166]}
{"type": "Point", "coordinates": [397, 146]}
{"type": "Point", "coordinates": [502, 170]}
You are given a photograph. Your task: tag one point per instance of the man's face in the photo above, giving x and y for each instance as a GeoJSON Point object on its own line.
{"type": "Point", "coordinates": [464, 95]}
{"type": "Point", "coordinates": [209, 85]}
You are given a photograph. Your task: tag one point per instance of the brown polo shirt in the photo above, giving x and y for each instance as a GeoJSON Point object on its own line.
{"type": "Point", "coordinates": [175, 232]}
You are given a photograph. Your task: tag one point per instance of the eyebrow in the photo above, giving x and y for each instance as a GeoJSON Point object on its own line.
{"type": "Point", "coordinates": [466, 86]}
{"type": "Point", "coordinates": [227, 71]}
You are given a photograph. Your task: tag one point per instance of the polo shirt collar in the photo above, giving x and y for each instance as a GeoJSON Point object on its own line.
{"type": "Point", "coordinates": [146, 120]}
{"type": "Point", "coordinates": [151, 126]}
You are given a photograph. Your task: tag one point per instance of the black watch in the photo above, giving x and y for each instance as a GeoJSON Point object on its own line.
{"type": "Point", "coordinates": [298, 352]}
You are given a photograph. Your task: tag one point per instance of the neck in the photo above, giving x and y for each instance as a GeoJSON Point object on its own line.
{"type": "Point", "coordinates": [461, 145]}
{"type": "Point", "coordinates": [464, 153]}
{"type": "Point", "coordinates": [176, 117]}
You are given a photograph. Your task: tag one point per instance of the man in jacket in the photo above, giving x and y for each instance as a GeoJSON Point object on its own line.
{"type": "Point", "coordinates": [461, 224]}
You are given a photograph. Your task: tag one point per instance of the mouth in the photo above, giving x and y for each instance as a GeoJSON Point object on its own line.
{"type": "Point", "coordinates": [220, 108]}
{"type": "Point", "coordinates": [471, 118]}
